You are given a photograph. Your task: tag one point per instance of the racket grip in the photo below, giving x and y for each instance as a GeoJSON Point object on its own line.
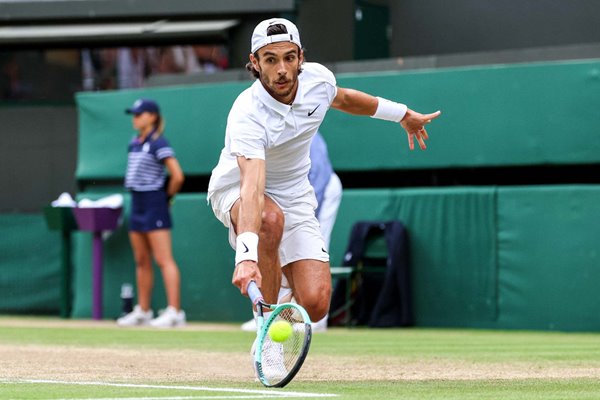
{"type": "Point", "coordinates": [254, 293]}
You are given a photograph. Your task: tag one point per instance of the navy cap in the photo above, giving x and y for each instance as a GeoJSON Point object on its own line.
{"type": "Point", "coordinates": [143, 105]}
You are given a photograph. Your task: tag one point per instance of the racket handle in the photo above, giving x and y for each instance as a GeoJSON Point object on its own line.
{"type": "Point", "coordinates": [254, 293]}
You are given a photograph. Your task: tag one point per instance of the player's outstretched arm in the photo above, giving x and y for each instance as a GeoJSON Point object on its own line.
{"type": "Point", "coordinates": [359, 103]}
{"type": "Point", "coordinates": [354, 102]}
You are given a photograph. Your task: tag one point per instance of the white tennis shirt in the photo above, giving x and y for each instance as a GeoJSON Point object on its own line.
{"type": "Point", "coordinates": [258, 126]}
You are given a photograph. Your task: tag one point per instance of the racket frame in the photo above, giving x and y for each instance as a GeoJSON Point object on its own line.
{"type": "Point", "coordinates": [262, 330]}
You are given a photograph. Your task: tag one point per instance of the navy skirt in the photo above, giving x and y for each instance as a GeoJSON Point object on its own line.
{"type": "Point", "coordinates": [149, 211]}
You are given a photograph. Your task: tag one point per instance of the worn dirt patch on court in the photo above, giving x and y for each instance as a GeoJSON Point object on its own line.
{"type": "Point", "coordinates": [122, 365]}
{"type": "Point", "coordinates": [79, 363]}
{"type": "Point", "coordinates": [390, 369]}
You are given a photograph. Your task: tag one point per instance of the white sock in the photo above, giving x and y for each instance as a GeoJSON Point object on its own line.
{"type": "Point", "coordinates": [284, 281]}
{"type": "Point", "coordinates": [266, 315]}
{"type": "Point", "coordinates": [285, 295]}
{"type": "Point", "coordinates": [285, 291]}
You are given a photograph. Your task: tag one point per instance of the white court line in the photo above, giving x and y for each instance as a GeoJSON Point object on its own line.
{"type": "Point", "coordinates": [234, 397]}
{"type": "Point", "coordinates": [264, 393]}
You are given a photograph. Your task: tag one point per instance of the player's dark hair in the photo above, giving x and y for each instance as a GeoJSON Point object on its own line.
{"type": "Point", "coordinates": [275, 29]}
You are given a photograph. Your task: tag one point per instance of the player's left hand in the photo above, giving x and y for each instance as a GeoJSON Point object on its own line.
{"type": "Point", "coordinates": [414, 125]}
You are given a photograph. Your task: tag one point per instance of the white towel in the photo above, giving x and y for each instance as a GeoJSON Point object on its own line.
{"type": "Point", "coordinates": [112, 201]}
{"type": "Point", "coordinates": [64, 200]}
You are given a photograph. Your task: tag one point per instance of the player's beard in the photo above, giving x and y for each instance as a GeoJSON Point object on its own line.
{"type": "Point", "coordinates": [280, 93]}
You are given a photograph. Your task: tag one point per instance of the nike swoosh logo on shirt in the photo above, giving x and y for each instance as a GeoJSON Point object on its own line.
{"type": "Point", "coordinates": [313, 111]}
{"type": "Point", "coordinates": [323, 250]}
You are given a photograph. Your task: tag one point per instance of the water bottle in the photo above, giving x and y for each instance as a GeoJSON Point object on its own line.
{"type": "Point", "coordinates": [126, 298]}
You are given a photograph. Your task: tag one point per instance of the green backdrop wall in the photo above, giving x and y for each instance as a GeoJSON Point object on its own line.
{"type": "Point", "coordinates": [501, 115]}
{"type": "Point", "coordinates": [494, 257]}
{"type": "Point", "coordinates": [30, 278]}
{"type": "Point", "coordinates": [549, 257]}
{"type": "Point", "coordinates": [489, 257]}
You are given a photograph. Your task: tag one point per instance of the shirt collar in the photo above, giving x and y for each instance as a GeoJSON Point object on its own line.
{"type": "Point", "coordinates": [270, 102]}
{"type": "Point", "coordinates": [146, 139]}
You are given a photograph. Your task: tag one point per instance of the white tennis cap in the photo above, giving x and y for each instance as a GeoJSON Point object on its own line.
{"type": "Point", "coordinates": [261, 39]}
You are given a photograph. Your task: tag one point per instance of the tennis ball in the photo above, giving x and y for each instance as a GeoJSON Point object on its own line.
{"type": "Point", "coordinates": [280, 331]}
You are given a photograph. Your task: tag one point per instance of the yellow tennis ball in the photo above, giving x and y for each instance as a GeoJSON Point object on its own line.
{"type": "Point", "coordinates": [280, 331]}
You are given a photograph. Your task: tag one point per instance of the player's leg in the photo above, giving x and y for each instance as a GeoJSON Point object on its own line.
{"type": "Point", "coordinates": [305, 258]}
{"type": "Point", "coordinates": [269, 238]}
{"type": "Point", "coordinates": [160, 243]}
{"type": "Point", "coordinates": [310, 281]}
{"type": "Point", "coordinates": [327, 215]}
{"type": "Point", "coordinates": [143, 267]}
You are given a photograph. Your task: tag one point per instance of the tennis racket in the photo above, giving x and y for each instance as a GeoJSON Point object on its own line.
{"type": "Point", "coordinates": [277, 362]}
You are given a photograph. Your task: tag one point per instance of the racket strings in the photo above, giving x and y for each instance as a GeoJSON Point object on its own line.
{"type": "Point", "coordinates": [279, 358]}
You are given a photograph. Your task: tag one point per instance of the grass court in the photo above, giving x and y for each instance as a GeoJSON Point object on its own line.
{"type": "Point", "coordinates": [49, 358]}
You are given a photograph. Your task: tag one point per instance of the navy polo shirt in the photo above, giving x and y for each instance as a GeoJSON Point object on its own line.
{"type": "Point", "coordinates": [145, 163]}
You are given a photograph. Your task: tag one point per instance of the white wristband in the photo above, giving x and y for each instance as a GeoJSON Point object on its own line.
{"type": "Point", "coordinates": [389, 110]}
{"type": "Point", "coordinates": [246, 247]}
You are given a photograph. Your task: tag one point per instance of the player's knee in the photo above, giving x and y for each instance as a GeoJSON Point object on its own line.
{"type": "Point", "coordinates": [164, 261]}
{"type": "Point", "coordinates": [273, 217]}
{"type": "Point", "coordinates": [143, 262]}
{"type": "Point", "coordinates": [317, 310]}
{"type": "Point", "coordinates": [317, 304]}
{"type": "Point", "coordinates": [272, 224]}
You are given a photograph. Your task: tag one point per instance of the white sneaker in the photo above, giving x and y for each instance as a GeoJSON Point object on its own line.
{"type": "Point", "coordinates": [170, 317]}
{"type": "Point", "coordinates": [249, 326]}
{"type": "Point", "coordinates": [137, 317]}
{"type": "Point", "coordinates": [273, 365]}
{"type": "Point", "coordinates": [252, 352]}
{"type": "Point", "coordinates": [321, 325]}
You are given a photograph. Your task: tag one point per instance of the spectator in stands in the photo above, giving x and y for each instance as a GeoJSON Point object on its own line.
{"type": "Point", "coordinates": [131, 67]}
{"type": "Point", "coordinates": [260, 189]}
{"type": "Point", "coordinates": [328, 191]}
{"type": "Point", "coordinates": [175, 60]}
{"type": "Point", "coordinates": [12, 86]}
{"type": "Point", "coordinates": [150, 220]}
{"type": "Point", "coordinates": [212, 58]}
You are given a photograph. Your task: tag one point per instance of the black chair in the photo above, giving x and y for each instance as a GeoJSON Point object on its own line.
{"type": "Point", "coordinates": [373, 285]}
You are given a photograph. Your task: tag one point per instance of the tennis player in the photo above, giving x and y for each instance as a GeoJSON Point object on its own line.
{"type": "Point", "coordinates": [260, 189]}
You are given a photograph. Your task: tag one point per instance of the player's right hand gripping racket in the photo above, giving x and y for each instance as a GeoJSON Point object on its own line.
{"type": "Point", "coordinates": [277, 362]}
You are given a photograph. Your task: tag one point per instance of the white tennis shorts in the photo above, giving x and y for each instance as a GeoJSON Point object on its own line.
{"type": "Point", "coordinates": [301, 238]}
